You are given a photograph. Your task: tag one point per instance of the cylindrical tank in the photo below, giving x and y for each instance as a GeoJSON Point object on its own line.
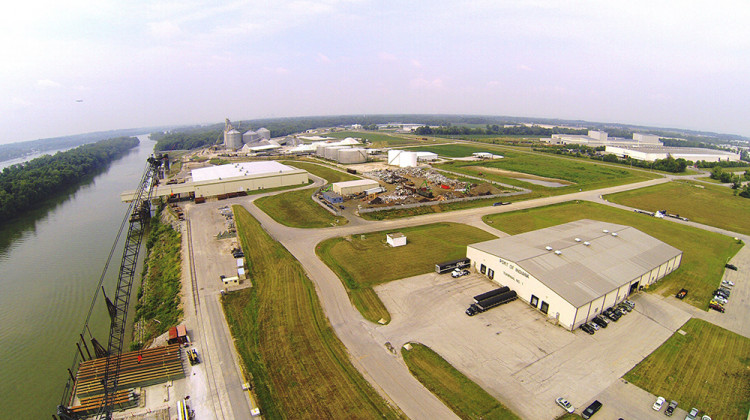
{"type": "Point", "coordinates": [353, 155]}
{"type": "Point", "coordinates": [320, 151]}
{"type": "Point", "coordinates": [394, 157]}
{"type": "Point", "coordinates": [233, 139]}
{"type": "Point", "coordinates": [408, 159]}
{"type": "Point", "coordinates": [331, 152]}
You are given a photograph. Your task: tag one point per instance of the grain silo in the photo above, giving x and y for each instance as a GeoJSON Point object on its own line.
{"type": "Point", "coordinates": [264, 133]}
{"type": "Point", "coordinates": [250, 137]}
{"type": "Point", "coordinates": [352, 155]}
{"type": "Point", "coordinates": [232, 139]}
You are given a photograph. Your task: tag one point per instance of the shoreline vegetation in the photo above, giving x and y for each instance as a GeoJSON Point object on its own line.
{"type": "Point", "coordinates": [159, 307]}
{"type": "Point", "coordinates": [25, 185]}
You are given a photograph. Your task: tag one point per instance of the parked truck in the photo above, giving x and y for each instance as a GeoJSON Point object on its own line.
{"type": "Point", "coordinates": [491, 293]}
{"type": "Point", "coordinates": [490, 303]}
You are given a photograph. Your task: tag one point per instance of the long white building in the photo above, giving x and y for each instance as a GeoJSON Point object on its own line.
{"type": "Point", "coordinates": [688, 153]}
{"type": "Point", "coordinates": [574, 271]}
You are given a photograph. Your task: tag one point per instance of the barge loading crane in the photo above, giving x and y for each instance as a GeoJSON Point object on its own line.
{"type": "Point", "coordinates": [137, 219]}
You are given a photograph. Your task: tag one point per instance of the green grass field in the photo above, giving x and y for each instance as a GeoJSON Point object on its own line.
{"type": "Point", "coordinates": [299, 368]}
{"type": "Point", "coordinates": [459, 150]}
{"type": "Point", "coordinates": [364, 263]}
{"type": "Point", "coordinates": [710, 205]}
{"type": "Point", "coordinates": [704, 253]}
{"type": "Point", "coordinates": [377, 139]}
{"type": "Point", "coordinates": [325, 172]}
{"type": "Point", "coordinates": [467, 399]}
{"type": "Point", "coordinates": [707, 368]}
{"type": "Point", "coordinates": [297, 209]}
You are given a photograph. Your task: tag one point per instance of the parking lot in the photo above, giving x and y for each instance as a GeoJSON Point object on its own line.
{"type": "Point", "coordinates": [512, 351]}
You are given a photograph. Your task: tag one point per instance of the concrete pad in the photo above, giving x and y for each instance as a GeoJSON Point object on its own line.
{"type": "Point", "coordinates": [513, 351]}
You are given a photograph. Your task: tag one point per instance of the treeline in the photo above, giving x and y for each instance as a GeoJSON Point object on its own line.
{"type": "Point", "coordinates": [669, 164]}
{"type": "Point", "coordinates": [494, 129]}
{"type": "Point", "coordinates": [24, 185]}
{"type": "Point", "coordinates": [186, 140]}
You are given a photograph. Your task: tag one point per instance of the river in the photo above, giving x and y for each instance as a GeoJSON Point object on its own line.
{"type": "Point", "coordinates": [50, 263]}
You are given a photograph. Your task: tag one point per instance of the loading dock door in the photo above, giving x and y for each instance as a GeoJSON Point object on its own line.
{"type": "Point", "coordinates": [545, 307]}
{"type": "Point", "coordinates": [634, 287]}
{"type": "Point", "coordinates": [534, 301]}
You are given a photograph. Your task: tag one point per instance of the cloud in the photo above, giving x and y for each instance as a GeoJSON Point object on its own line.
{"type": "Point", "coordinates": [416, 63]}
{"type": "Point", "coordinates": [422, 83]}
{"type": "Point", "coordinates": [18, 103]}
{"type": "Point", "coordinates": [386, 56]}
{"type": "Point", "coordinates": [47, 84]}
{"type": "Point", "coordinates": [524, 67]}
{"type": "Point", "coordinates": [493, 83]}
{"type": "Point", "coordinates": [322, 58]}
{"type": "Point", "coordinates": [164, 29]}
{"type": "Point", "coordinates": [277, 70]}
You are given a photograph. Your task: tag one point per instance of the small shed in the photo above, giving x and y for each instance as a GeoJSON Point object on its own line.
{"type": "Point", "coordinates": [241, 273]}
{"type": "Point", "coordinates": [229, 281]}
{"type": "Point", "coordinates": [332, 197]}
{"type": "Point", "coordinates": [353, 187]}
{"type": "Point", "coordinates": [177, 334]}
{"type": "Point", "coordinates": [240, 262]}
{"type": "Point", "coordinates": [395, 239]}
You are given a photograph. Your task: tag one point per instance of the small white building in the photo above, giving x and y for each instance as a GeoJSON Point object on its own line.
{"type": "Point", "coordinates": [574, 271]}
{"type": "Point", "coordinates": [241, 273]}
{"type": "Point", "coordinates": [240, 262]}
{"type": "Point", "coordinates": [651, 153]}
{"type": "Point", "coordinates": [231, 281]}
{"type": "Point", "coordinates": [395, 239]}
{"type": "Point", "coordinates": [353, 187]}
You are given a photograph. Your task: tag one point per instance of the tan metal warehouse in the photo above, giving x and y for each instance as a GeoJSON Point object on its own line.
{"type": "Point", "coordinates": [576, 270]}
{"type": "Point", "coordinates": [353, 187]}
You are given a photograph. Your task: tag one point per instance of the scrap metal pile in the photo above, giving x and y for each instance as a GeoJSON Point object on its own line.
{"type": "Point", "coordinates": [416, 184]}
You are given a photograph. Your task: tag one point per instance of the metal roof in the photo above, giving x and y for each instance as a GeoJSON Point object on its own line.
{"type": "Point", "coordinates": [355, 183]}
{"type": "Point", "coordinates": [580, 273]}
{"type": "Point", "coordinates": [235, 170]}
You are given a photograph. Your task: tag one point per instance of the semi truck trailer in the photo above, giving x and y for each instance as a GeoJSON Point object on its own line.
{"type": "Point", "coordinates": [490, 303]}
{"type": "Point", "coordinates": [491, 293]}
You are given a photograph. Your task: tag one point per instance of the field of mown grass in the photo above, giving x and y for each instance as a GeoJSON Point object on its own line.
{"type": "Point", "coordinates": [459, 150]}
{"type": "Point", "coordinates": [710, 205]}
{"type": "Point", "coordinates": [707, 368]}
{"type": "Point", "coordinates": [297, 209]}
{"type": "Point", "coordinates": [377, 139]}
{"type": "Point", "coordinates": [299, 368]}
{"type": "Point", "coordinates": [704, 253]}
{"type": "Point", "coordinates": [467, 399]}
{"type": "Point", "coordinates": [325, 172]}
{"type": "Point", "coordinates": [364, 263]}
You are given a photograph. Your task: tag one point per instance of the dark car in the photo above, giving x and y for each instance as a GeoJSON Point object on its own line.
{"type": "Point", "coordinates": [587, 328]}
{"type": "Point", "coordinates": [611, 314]}
{"type": "Point", "coordinates": [681, 294]}
{"type": "Point", "coordinates": [716, 307]}
{"type": "Point", "coordinates": [670, 408]}
{"type": "Point", "coordinates": [731, 266]}
{"type": "Point", "coordinates": [722, 293]}
{"type": "Point", "coordinates": [598, 320]}
{"type": "Point", "coordinates": [591, 409]}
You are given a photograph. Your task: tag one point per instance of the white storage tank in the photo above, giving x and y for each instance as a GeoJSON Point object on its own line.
{"type": "Point", "coordinates": [233, 139]}
{"type": "Point", "coordinates": [332, 152]}
{"type": "Point", "coordinates": [352, 155]}
{"type": "Point", "coordinates": [408, 159]}
{"type": "Point", "coordinates": [394, 156]}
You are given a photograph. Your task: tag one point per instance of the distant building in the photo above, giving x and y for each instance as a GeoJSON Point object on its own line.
{"type": "Point", "coordinates": [596, 138]}
{"type": "Point", "coordinates": [395, 239]}
{"type": "Point", "coordinates": [652, 153]}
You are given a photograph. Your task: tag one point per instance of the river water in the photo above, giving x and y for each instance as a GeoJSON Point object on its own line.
{"type": "Point", "coordinates": [50, 263]}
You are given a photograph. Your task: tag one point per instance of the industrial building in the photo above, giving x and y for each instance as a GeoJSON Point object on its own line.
{"type": "Point", "coordinates": [596, 138]}
{"type": "Point", "coordinates": [574, 271]}
{"type": "Point", "coordinates": [232, 178]}
{"type": "Point", "coordinates": [694, 154]}
{"type": "Point", "coordinates": [353, 187]}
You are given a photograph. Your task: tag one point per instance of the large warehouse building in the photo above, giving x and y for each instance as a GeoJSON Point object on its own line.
{"type": "Point", "coordinates": [688, 153]}
{"type": "Point", "coordinates": [232, 178]}
{"type": "Point", "coordinates": [574, 271]}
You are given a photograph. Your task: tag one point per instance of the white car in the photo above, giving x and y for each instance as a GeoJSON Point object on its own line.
{"type": "Point", "coordinates": [562, 402]}
{"type": "Point", "coordinates": [720, 299]}
{"type": "Point", "coordinates": [659, 402]}
{"type": "Point", "coordinates": [730, 283]}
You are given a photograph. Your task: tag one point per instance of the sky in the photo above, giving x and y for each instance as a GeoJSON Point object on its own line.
{"type": "Point", "coordinates": [81, 66]}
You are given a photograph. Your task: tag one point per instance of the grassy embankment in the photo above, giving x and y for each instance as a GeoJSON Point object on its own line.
{"type": "Point", "coordinates": [364, 261]}
{"type": "Point", "coordinates": [299, 367]}
{"type": "Point", "coordinates": [467, 399]}
{"type": "Point", "coordinates": [296, 208]}
{"type": "Point", "coordinates": [377, 139]}
{"type": "Point", "coordinates": [704, 252]}
{"type": "Point", "coordinates": [581, 175]}
{"type": "Point", "coordinates": [707, 368]}
{"type": "Point", "coordinates": [159, 294]}
{"type": "Point", "coordinates": [710, 205]}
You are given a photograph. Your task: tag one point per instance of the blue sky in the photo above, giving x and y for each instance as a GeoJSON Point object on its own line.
{"type": "Point", "coordinates": [679, 64]}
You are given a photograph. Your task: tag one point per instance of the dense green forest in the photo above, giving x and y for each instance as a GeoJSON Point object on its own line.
{"type": "Point", "coordinates": [24, 185]}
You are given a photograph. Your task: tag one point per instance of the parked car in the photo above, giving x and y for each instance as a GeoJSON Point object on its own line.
{"type": "Point", "coordinates": [720, 299]}
{"type": "Point", "coordinates": [625, 307]}
{"type": "Point", "coordinates": [705, 417]}
{"type": "Point", "coordinates": [716, 307]}
{"type": "Point", "coordinates": [727, 282]}
{"type": "Point", "coordinates": [591, 409]}
{"type": "Point", "coordinates": [593, 325]}
{"type": "Point", "coordinates": [598, 320]}
{"type": "Point", "coordinates": [659, 402]}
{"type": "Point", "coordinates": [588, 329]}
{"type": "Point", "coordinates": [731, 266]}
{"type": "Point", "coordinates": [562, 402]}
{"type": "Point", "coordinates": [459, 272]}
{"type": "Point", "coordinates": [630, 303]}
{"type": "Point", "coordinates": [692, 414]}
{"type": "Point", "coordinates": [670, 408]}
{"type": "Point", "coordinates": [681, 294]}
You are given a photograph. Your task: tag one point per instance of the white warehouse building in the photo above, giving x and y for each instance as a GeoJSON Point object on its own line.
{"type": "Point", "coordinates": [574, 271]}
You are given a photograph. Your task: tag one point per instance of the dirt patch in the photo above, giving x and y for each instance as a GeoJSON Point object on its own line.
{"type": "Point", "coordinates": [518, 175]}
